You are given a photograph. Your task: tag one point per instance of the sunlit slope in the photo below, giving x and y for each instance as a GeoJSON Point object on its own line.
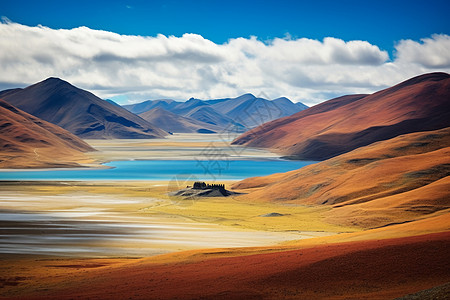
{"type": "Point", "coordinates": [27, 141]}
{"type": "Point", "coordinates": [391, 181]}
{"type": "Point", "coordinates": [343, 124]}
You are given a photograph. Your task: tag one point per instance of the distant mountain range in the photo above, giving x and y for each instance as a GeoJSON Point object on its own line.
{"type": "Point", "coordinates": [174, 123]}
{"type": "Point", "coordinates": [233, 114]}
{"type": "Point", "coordinates": [346, 123]}
{"type": "Point", "coordinates": [79, 111]}
{"type": "Point", "coordinates": [89, 117]}
{"type": "Point", "coordinates": [27, 141]}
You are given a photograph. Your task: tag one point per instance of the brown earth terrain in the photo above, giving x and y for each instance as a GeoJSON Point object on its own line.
{"type": "Point", "coordinates": [346, 123]}
{"type": "Point", "coordinates": [29, 142]}
{"type": "Point", "coordinates": [369, 269]}
{"type": "Point", "coordinates": [398, 180]}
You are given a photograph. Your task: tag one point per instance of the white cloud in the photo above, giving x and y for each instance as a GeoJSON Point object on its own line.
{"type": "Point", "coordinates": [140, 68]}
{"type": "Point", "coordinates": [430, 53]}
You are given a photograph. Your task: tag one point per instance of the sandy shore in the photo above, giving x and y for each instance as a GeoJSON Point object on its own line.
{"type": "Point", "coordinates": [175, 147]}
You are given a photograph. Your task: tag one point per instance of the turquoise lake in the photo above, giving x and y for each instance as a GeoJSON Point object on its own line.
{"type": "Point", "coordinates": [165, 170]}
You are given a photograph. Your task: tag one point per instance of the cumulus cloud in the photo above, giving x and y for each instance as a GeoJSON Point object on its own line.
{"type": "Point", "coordinates": [430, 53]}
{"type": "Point", "coordinates": [145, 67]}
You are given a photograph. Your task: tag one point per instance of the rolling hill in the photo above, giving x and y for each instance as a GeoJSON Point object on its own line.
{"type": "Point", "coordinates": [79, 111]}
{"type": "Point", "coordinates": [27, 141]}
{"type": "Point", "coordinates": [398, 180]}
{"type": "Point", "coordinates": [346, 123]}
{"type": "Point", "coordinates": [174, 123]}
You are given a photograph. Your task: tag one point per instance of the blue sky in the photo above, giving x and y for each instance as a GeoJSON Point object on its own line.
{"type": "Point", "coordinates": [308, 51]}
{"type": "Point", "coordinates": [378, 22]}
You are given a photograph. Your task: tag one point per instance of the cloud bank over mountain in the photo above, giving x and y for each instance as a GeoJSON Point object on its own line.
{"type": "Point", "coordinates": [146, 67]}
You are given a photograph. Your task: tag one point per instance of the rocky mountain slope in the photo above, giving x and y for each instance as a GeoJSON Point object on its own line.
{"type": "Point", "coordinates": [79, 111]}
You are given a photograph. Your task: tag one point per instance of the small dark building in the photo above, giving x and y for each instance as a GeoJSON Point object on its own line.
{"type": "Point", "coordinates": [201, 185]}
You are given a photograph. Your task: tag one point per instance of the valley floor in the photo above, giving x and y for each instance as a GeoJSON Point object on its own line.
{"type": "Point", "coordinates": [232, 248]}
{"type": "Point", "coordinates": [381, 263]}
{"type": "Point", "coordinates": [104, 219]}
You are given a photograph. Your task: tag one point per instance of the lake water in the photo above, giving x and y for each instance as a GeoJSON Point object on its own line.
{"type": "Point", "coordinates": [94, 223]}
{"type": "Point", "coordinates": [165, 170]}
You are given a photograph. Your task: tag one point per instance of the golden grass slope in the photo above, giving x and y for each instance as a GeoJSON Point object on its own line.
{"type": "Point", "coordinates": [391, 181]}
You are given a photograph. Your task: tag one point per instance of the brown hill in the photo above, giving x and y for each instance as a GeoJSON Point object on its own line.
{"type": "Point", "coordinates": [79, 111]}
{"type": "Point", "coordinates": [27, 141]}
{"type": "Point", "coordinates": [343, 124]}
{"type": "Point", "coordinates": [398, 180]}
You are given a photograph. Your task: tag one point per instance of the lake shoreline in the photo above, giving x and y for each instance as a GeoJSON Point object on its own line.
{"type": "Point", "coordinates": [89, 198]}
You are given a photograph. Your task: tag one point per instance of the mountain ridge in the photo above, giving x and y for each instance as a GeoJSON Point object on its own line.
{"type": "Point", "coordinates": [27, 141]}
{"type": "Point", "coordinates": [335, 127]}
{"type": "Point", "coordinates": [401, 179]}
{"type": "Point", "coordinates": [239, 114]}
{"type": "Point", "coordinates": [80, 111]}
